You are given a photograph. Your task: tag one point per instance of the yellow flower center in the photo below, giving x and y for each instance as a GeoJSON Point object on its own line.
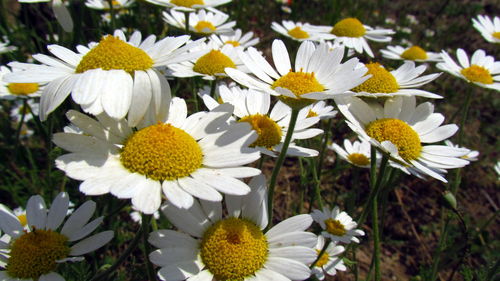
{"type": "Point", "coordinates": [398, 133]}
{"type": "Point", "coordinates": [298, 83]}
{"type": "Point", "coordinates": [187, 3]}
{"type": "Point", "coordinates": [204, 27]}
{"type": "Point", "coordinates": [23, 220]}
{"type": "Point", "coordinates": [213, 63]}
{"type": "Point", "coordinates": [113, 53]}
{"type": "Point", "coordinates": [22, 89]}
{"type": "Point", "coordinates": [335, 227]}
{"type": "Point", "coordinates": [311, 113]}
{"type": "Point", "coordinates": [414, 53]}
{"type": "Point", "coordinates": [233, 249]}
{"type": "Point", "coordinates": [323, 259]}
{"type": "Point", "coordinates": [269, 131]}
{"type": "Point", "coordinates": [476, 73]}
{"type": "Point", "coordinates": [35, 253]}
{"type": "Point", "coordinates": [161, 152]}
{"type": "Point", "coordinates": [232, 42]}
{"type": "Point", "coordinates": [496, 35]}
{"type": "Point", "coordinates": [382, 81]}
{"type": "Point", "coordinates": [298, 33]}
{"type": "Point", "coordinates": [349, 27]}
{"type": "Point", "coordinates": [358, 159]}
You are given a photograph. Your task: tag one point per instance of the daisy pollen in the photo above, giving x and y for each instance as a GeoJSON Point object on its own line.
{"type": "Point", "coordinates": [205, 27]}
{"type": "Point", "coordinates": [22, 89]}
{"type": "Point", "coordinates": [161, 152]}
{"type": "Point", "coordinates": [35, 253]}
{"type": "Point", "coordinates": [299, 83]}
{"type": "Point", "coordinates": [349, 27]}
{"type": "Point", "coordinates": [187, 3]}
{"type": "Point", "coordinates": [298, 32]}
{"type": "Point", "coordinates": [414, 53]}
{"type": "Point", "coordinates": [113, 53]}
{"type": "Point", "coordinates": [212, 63]}
{"type": "Point", "coordinates": [382, 81]}
{"type": "Point", "coordinates": [476, 73]}
{"type": "Point", "coordinates": [269, 131]}
{"type": "Point", "coordinates": [358, 159]}
{"type": "Point", "coordinates": [335, 227]}
{"type": "Point", "coordinates": [233, 249]}
{"type": "Point", "coordinates": [399, 133]}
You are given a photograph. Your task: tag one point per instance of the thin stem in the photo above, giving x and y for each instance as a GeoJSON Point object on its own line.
{"type": "Point", "coordinates": [323, 146]}
{"type": "Point", "coordinates": [186, 20]}
{"type": "Point", "coordinates": [376, 239]}
{"type": "Point", "coordinates": [146, 224]}
{"type": "Point", "coordinates": [21, 122]}
{"type": "Point", "coordinates": [112, 12]}
{"type": "Point", "coordinates": [437, 254]}
{"type": "Point", "coordinates": [279, 163]}
{"type": "Point", "coordinates": [38, 123]}
{"type": "Point", "coordinates": [317, 188]}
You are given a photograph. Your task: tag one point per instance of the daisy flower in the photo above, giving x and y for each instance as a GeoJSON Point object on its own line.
{"type": "Point", "coordinates": [299, 31]}
{"type": "Point", "coordinates": [34, 253]}
{"type": "Point", "coordinates": [136, 215]}
{"type": "Point", "coordinates": [318, 73]}
{"type": "Point", "coordinates": [214, 247]}
{"type": "Point", "coordinates": [320, 109]}
{"type": "Point", "coordinates": [115, 76]}
{"type": "Point", "coordinates": [482, 70]}
{"type": "Point", "coordinates": [183, 156]}
{"type": "Point", "coordinates": [236, 39]}
{"type": "Point", "coordinates": [202, 22]}
{"type": "Point", "coordinates": [329, 262]}
{"type": "Point", "coordinates": [18, 109]}
{"type": "Point", "coordinates": [60, 10]}
{"type": "Point", "coordinates": [489, 29]}
{"type": "Point", "coordinates": [399, 82]}
{"type": "Point", "coordinates": [354, 34]}
{"type": "Point", "coordinates": [413, 53]}
{"type": "Point", "coordinates": [356, 153]}
{"type": "Point", "coordinates": [338, 226]}
{"type": "Point", "coordinates": [253, 107]}
{"type": "Point", "coordinates": [4, 46]}
{"type": "Point", "coordinates": [189, 5]}
{"type": "Point", "coordinates": [470, 155]}
{"type": "Point", "coordinates": [400, 129]}
{"type": "Point", "coordinates": [209, 61]}
{"type": "Point", "coordinates": [12, 91]}
{"type": "Point", "coordinates": [104, 4]}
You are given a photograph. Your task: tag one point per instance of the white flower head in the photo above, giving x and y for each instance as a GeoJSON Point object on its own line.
{"type": "Point", "coordinates": [236, 39]}
{"type": "Point", "coordinates": [299, 31]}
{"type": "Point", "coordinates": [201, 22]}
{"type": "Point", "coordinates": [4, 46]}
{"type": "Point", "coordinates": [337, 226]}
{"type": "Point", "coordinates": [189, 5]}
{"type": "Point", "coordinates": [412, 53]}
{"type": "Point", "coordinates": [213, 246]}
{"type": "Point", "coordinates": [12, 91]}
{"type": "Point", "coordinates": [489, 29]}
{"type": "Point", "coordinates": [470, 155]}
{"type": "Point", "coordinates": [319, 109]}
{"type": "Point", "coordinates": [104, 4]}
{"type": "Point", "coordinates": [329, 262]}
{"type": "Point", "coordinates": [24, 250]}
{"type": "Point", "coordinates": [356, 153]}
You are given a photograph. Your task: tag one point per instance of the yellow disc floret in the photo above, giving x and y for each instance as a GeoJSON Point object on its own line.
{"type": "Point", "coordinates": [398, 133]}
{"type": "Point", "coordinates": [22, 89]}
{"type": "Point", "coordinates": [213, 63]}
{"type": "Point", "coordinates": [161, 152]}
{"type": "Point", "coordinates": [23, 220]}
{"type": "Point", "coordinates": [323, 259]}
{"type": "Point", "coordinates": [414, 53]}
{"type": "Point", "coordinates": [358, 159]}
{"type": "Point", "coordinates": [233, 249]}
{"type": "Point", "coordinates": [268, 130]}
{"type": "Point", "coordinates": [476, 73]}
{"type": "Point", "coordinates": [496, 35]}
{"type": "Point", "coordinates": [382, 81]}
{"type": "Point", "coordinates": [35, 253]}
{"type": "Point", "coordinates": [298, 33]}
{"type": "Point", "coordinates": [204, 27]}
{"type": "Point", "coordinates": [349, 27]}
{"type": "Point", "coordinates": [113, 53]}
{"type": "Point", "coordinates": [187, 3]}
{"type": "Point", "coordinates": [335, 227]}
{"type": "Point", "coordinates": [311, 113]}
{"type": "Point", "coordinates": [232, 42]}
{"type": "Point", "coordinates": [298, 83]}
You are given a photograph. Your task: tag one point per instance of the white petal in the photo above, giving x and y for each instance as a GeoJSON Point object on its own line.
{"type": "Point", "coordinates": [92, 243]}
{"type": "Point", "coordinates": [290, 268]}
{"type": "Point", "coordinates": [36, 212]}
{"type": "Point", "coordinates": [79, 218]}
{"type": "Point", "coordinates": [86, 230]}
{"type": "Point", "coordinates": [53, 276]}
{"type": "Point", "coordinates": [58, 211]}
{"type": "Point", "coordinates": [117, 94]}
{"type": "Point", "coordinates": [295, 223]}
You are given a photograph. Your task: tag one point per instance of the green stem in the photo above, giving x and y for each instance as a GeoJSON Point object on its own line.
{"type": "Point", "coordinates": [21, 122]}
{"type": "Point", "coordinates": [440, 247]}
{"type": "Point", "coordinates": [317, 188]}
{"type": "Point", "coordinates": [323, 146]}
{"type": "Point", "coordinates": [112, 12]}
{"type": "Point", "coordinates": [186, 20]}
{"type": "Point", "coordinates": [376, 239]}
{"type": "Point", "coordinates": [279, 163]}
{"type": "Point", "coordinates": [146, 224]}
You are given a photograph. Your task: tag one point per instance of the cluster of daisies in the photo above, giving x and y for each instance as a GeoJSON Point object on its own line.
{"type": "Point", "coordinates": [133, 140]}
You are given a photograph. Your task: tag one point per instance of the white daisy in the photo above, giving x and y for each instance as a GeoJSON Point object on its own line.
{"type": "Point", "coordinates": [353, 34]}
{"type": "Point", "coordinates": [34, 253]}
{"type": "Point", "coordinates": [253, 107]}
{"type": "Point", "coordinates": [60, 10]}
{"type": "Point", "coordinates": [214, 247]}
{"type": "Point", "coordinates": [399, 82]}
{"type": "Point", "coordinates": [236, 39]}
{"type": "Point", "coordinates": [299, 31]}
{"type": "Point", "coordinates": [209, 61]}
{"type": "Point", "coordinates": [482, 70]}
{"type": "Point", "coordinates": [356, 153]}
{"type": "Point", "coordinates": [4, 46]}
{"type": "Point", "coordinates": [32, 108]}
{"type": "Point", "coordinates": [470, 155]}
{"type": "Point", "coordinates": [490, 29]}
{"type": "Point", "coordinates": [202, 22]}
{"type": "Point", "coordinates": [189, 5]}
{"type": "Point", "coordinates": [104, 4]}
{"type": "Point", "coordinates": [400, 129]}
{"type": "Point", "coordinates": [413, 53]}
{"type": "Point", "coordinates": [136, 215]}
{"type": "Point", "coordinates": [329, 262]}
{"type": "Point", "coordinates": [17, 90]}
{"type": "Point", "coordinates": [318, 73]}
{"type": "Point", "coordinates": [183, 156]}
{"type": "Point", "coordinates": [320, 109]}
{"type": "Point", "coordinates": [115, 76]}
{"type": "Point", "coordinates": [338, 226]}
